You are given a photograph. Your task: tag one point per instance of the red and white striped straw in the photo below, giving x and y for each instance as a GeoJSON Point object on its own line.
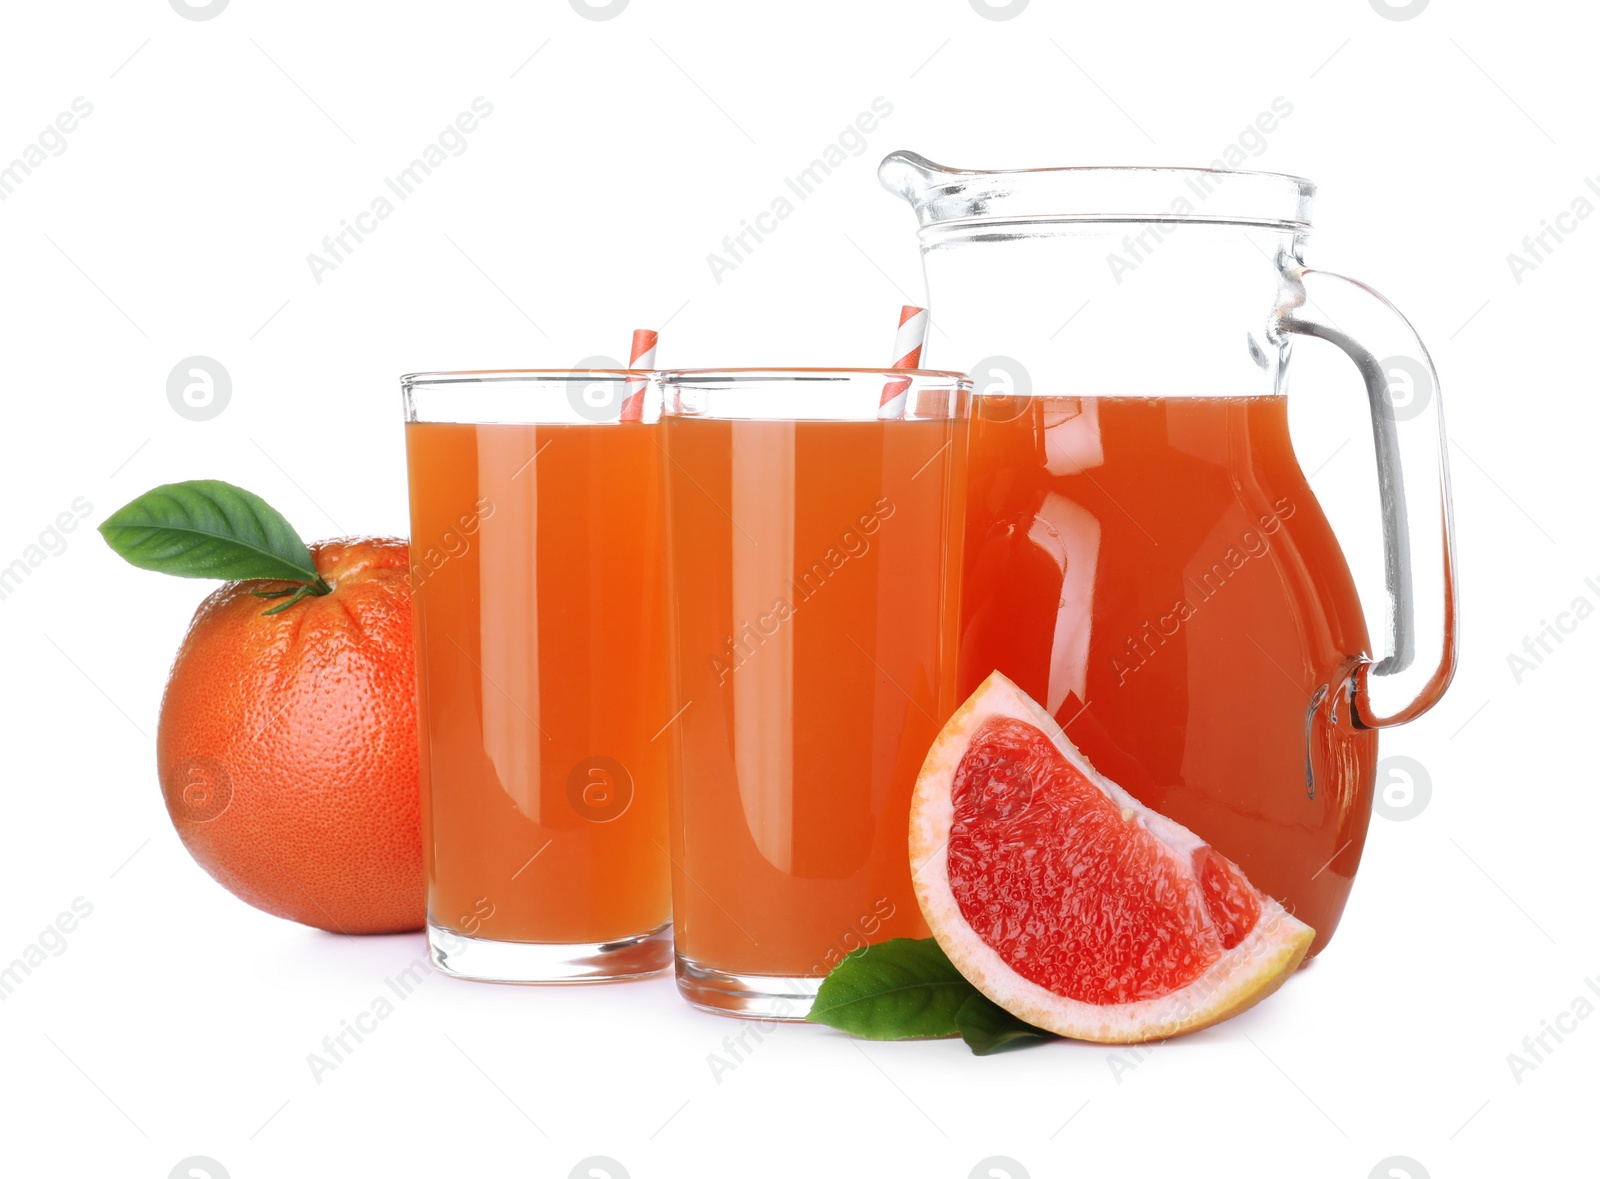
{"type": "Point", "coordinates": [641, 355]}
{"type": "Point", "coordinates": [908, 341]}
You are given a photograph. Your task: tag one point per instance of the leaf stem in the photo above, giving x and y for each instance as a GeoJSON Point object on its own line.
{"type": "Point", "coordinates": [299, 590]}
{"type": "Point", "coordinates": [304, 591]}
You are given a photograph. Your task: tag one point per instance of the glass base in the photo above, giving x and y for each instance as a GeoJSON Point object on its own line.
{"type": "Point", "coordinates": [482, 960]}
{"type": "Point", "coordinates": [749, 996]}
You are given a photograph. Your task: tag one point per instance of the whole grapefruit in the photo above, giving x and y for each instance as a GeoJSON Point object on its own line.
{"type": "Point", "coordinates": [287, 744]}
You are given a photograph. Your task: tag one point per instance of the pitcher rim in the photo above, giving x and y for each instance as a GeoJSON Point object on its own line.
{"type": "Point", "coordinates": [945, 196]}
{"type": "Point", "coordinates": [1293, 176]}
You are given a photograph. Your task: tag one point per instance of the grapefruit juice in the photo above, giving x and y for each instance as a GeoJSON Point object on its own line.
{"type": "Point", "coordinates": [538, 567]}
{"type": "Point", "coordinates": [815, 629]}
{"type": "Point", "coordinates": [1156, 573]}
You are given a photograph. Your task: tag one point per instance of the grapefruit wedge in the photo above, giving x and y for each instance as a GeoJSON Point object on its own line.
{"type": "Point", "coordinates": [1069, 903]}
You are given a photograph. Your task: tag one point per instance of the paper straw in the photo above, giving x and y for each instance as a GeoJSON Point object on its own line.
{"type": "Point", "coordinates": [642, 355]}
{"type": "Point", "coordinates": [908, 341]}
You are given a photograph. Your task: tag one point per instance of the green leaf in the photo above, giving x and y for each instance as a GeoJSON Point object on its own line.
{"type": "Point", "coordinates": [207, 528]}
{"type": "Point", "coordinates": [893, 990]}
{"type": "Point", "coordinates": [905, 988]}
{"type": "Point", "coordinates": [987, 1027]}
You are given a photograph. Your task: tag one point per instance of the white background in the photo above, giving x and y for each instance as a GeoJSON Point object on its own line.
{"type": "Point", "coordinates": [620, 152]}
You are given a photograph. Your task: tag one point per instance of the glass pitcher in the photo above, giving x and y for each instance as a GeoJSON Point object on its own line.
{"type": "Point", "coordinates": [1144, 555]}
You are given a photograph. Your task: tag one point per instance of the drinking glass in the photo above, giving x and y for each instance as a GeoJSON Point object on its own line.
{"type": "Point", "coordinates": [813, 546]}
{"type": "Point", "coordinates": [538, 578]}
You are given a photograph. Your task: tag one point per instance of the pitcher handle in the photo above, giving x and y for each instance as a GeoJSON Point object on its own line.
{"type": "Point", "coordinates": [1414, 489]}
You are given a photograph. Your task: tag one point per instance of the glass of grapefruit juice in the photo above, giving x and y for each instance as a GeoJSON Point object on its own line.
{"type": "Point", "coordinates": [813, 549]}
{"type": "Point", "coordinates": [538, 600]}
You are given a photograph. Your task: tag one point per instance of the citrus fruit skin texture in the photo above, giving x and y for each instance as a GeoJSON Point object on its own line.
{"type": "Point", "coordinates": [287, 745]}
{"type": "Point", "coordinates": [1070, 904]}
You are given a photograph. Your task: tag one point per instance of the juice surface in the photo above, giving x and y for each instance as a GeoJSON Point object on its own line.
{"type": "Point", "coordinates": [539, 568]}
{"type": "Point", "coordinates": [816, 662]}
{"type": "Point", "coordinates": [1157, 574]}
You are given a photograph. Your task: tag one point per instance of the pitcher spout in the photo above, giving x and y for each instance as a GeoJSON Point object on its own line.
{"type": "Point", "coordinates": [910, 176]}
{"type": "Point", "coordinates": [940, 194]}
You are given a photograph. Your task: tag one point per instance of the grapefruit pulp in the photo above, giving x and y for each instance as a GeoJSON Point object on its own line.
{"type": "Point", "coordinates": [1069, 903]}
